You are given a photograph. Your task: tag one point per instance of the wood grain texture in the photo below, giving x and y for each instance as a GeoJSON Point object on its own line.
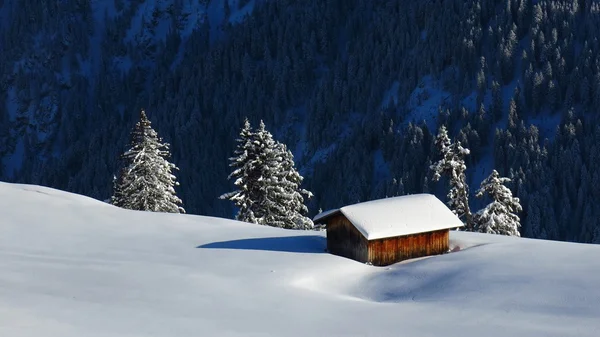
{"type": "Point", "coordinates": [387, 251]}
{"type": "Point", "coordinates": [345, 240]}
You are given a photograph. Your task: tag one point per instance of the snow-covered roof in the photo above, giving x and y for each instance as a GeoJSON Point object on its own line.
{"type": "Point", "coordinates": [397, 216]}
{"type": "Point", "coordinates": [325, 214]}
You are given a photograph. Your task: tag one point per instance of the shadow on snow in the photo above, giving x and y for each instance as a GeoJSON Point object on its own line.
{"type": "Point", "coordinates": [290, 244]}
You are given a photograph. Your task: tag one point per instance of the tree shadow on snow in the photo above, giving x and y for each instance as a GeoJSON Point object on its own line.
{"type": "Point", "coordinates": [290, 244]}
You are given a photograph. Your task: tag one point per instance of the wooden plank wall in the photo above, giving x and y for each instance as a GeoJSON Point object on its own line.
{"type": "Point", "coordinates": [387, 251]}
{"type": "Point", "coordinates": [345, 240]}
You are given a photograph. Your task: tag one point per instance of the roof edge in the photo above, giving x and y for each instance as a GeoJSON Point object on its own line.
{"type": "Point", "coordinates": [326, 214]}
{"type": "Point", "coordinates": [346, 211]}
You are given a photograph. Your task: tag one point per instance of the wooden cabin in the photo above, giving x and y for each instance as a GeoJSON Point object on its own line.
{"type": "Point", "coordinates": [386, 231]}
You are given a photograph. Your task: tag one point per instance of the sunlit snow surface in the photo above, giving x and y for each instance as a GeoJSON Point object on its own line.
{"type": "Point", "coordinates": [72, 266]}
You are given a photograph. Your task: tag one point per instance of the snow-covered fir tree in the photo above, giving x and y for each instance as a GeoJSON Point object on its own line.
{"type": "Point", "coordinates": [245, 175]}
{"type": "Point", "coordinates": [269, 184]}
{"type": "Point", "coordinates": [146, 181]}
{"type": "Point", "coordinates": [452, 164]}
{"type": "Point", "coordinates": [284, 197]}
{"type": "Point", "coordinates": [500, 216]}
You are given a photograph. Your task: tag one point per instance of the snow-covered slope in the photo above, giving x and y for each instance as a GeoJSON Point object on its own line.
{"type": "Point", "coordinates": [72, 266]}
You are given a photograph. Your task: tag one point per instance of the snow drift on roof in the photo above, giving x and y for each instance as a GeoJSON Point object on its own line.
{"type": "Point", "coordinates": [398, 216]}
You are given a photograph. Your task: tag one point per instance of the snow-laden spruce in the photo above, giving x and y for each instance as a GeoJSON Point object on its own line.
{"type": "Point", "coordinates": [245, 175]}
{"type": "Point", "coordinates": [452, 165]}
{"type": "Point", "coordinates": [146, 181]}
{"type": "Point", "coordinates": [500, 216]}
{"type": "Point", "coordinates": [268, 183]}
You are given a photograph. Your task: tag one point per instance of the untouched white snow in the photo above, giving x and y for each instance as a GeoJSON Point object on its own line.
{"type": "Point", "coordinates": [405, 215]}
{"type": "Point", "coordinates": [73, 266]}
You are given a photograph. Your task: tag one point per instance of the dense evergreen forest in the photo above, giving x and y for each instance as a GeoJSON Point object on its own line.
{"type": "Point", "coordinates": [356, 88]}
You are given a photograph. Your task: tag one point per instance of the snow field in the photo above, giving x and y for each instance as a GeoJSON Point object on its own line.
{"type": "Point", "coordinates": [73, 266]}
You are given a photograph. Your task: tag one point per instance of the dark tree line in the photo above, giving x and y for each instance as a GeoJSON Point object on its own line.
{"type": "Point", "coordinates": [317, 73]}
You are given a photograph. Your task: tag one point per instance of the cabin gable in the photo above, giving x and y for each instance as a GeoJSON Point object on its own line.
{"type": "Point", "coordinates": [345, 240]}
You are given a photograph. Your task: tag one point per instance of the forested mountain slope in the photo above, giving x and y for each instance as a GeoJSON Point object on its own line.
{"type": "Point", "coordinates": [357, 88]}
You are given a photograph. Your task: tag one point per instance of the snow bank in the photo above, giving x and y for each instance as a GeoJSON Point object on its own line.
{"type": "Point", "coordinates": [73, 266]}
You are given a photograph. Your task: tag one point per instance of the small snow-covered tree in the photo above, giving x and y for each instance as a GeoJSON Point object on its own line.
{"type": "Point", "coordinates": [452, 164]}
{"type": "Point", "coordinates": [500, 216]}
{"type": "Point", "coordinates": [269, 185]}
{"type": "Point", "coordinates": [146, 182]}
{"type": "Point", "coordinates": [117, 197]}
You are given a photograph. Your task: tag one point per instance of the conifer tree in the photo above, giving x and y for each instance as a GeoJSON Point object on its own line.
{"type": "Point", "coordinates": [269, 185]}
{"type": "Point", "coordinates": [284, 198]}
{"type": "Point", "coordinates": [452, 165]}
{"type": "Point", "coordinates": [245, 175]}
{"type": "Point", "coordinates": [500, 216]}
{"type": "Point", "coordinates": [146, 182]}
